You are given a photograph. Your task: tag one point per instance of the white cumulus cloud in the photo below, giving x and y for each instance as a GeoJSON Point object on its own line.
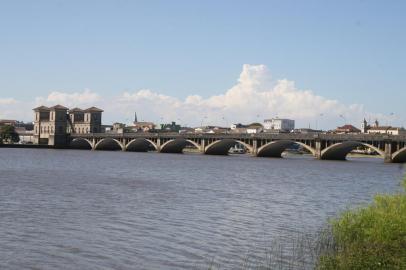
{"type": "Point", "coordinates": [84, 98]}
{"type": "Point", "coordinates": [254, 97]}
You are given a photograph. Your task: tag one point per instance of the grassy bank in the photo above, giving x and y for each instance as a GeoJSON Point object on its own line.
{"type": "Point", "coordinates": [372, 237]}
{"type": "Point", "coordinates": [366, 238]}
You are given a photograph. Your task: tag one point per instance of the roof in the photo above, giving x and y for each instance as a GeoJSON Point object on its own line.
{"type": "Point", "coordinates": [7, 121]}
{"type": "Point", "coordinates": [76, 109]}
{"type": "Point", "coordinates": [380, 128]}
{"type": "Point", "coordinates": [41, 108]}
{"type": "Point", "coordinates": [348, 127]}
{"type": "Point", "coordinates": [279, 119]}
{"type": "Point", "coordinates": [255, 125]}
{"type": "Point", "coordinates": [58, 107]}
{"type": "Point", "coordinates": [93, 109]}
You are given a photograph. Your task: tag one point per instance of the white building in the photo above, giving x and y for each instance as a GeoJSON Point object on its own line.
{"type": "Point", "coordinates": [279, 124]}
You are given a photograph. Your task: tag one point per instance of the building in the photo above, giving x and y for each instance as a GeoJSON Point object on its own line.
{"type": "Point", "coordinates": [377, 129]}
{"type": "Point", "coordinates": [347, 129]}
{"type": "Point", "coordinates": [4, 122]}
{"type": "Point", "coordinates": [142, 126]}
{"type": "Point", "coordinates": [307, 131]}
{"type": "Point", "coordinates": [172, 127]}
{"type": "Point", "coordinates": [53, 124]}
{"type": "Point", "coordinates": [26, 136]}
{"type": "Point", "coordinates": [118, 128]}
{"type": "Point", "coordinates": [387, 130]}
{"type": "Point", "coordinates": [239, 125]}
{"type": "Point", "coordinates": [255, 128]}
{"type": "Point", "coordinates": [85, 121]}
{"type": "Point", "coordinates": [284, 125]}
{"type": "Point", "coordinates": [250, 129]}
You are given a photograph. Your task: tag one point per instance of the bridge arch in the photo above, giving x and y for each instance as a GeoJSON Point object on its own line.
{"type": "Point", "coordinates": [81, 143]}
{"type": "Point", "coordinates": [109, 144]}
{"type": "Point", "coordinates": [276, 148]}
{"type": "Point", "coordinates": [399, 156]}
{"type": "Point", "coordinates": [177, 145]}
{"type": "Point", "coordinates": [140, 145]}
{"type": "Point", "coordinates": [339, 151]}
{"type": "Point", "coordinates": [221, 147]}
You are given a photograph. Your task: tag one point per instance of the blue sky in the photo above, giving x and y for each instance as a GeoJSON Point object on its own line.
{"type": "Point", "coordinates": [350, 51]}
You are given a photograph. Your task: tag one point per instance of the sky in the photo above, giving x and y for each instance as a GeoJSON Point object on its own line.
{"type": "Point", "coordinates": [322, 63]}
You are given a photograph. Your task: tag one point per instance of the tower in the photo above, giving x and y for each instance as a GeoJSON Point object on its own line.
{"type": "Point", "coordinates": [135, 117]}
{"type": "Point", "coordinates": [364, 126]}
{"type": "Point", "coordinates": [50, 125]}
{"type": "Point", "coordinates": [93, 119]}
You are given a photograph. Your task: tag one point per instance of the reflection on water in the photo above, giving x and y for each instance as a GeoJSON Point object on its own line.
{"type": "Point", "coordinates": [67, 209]}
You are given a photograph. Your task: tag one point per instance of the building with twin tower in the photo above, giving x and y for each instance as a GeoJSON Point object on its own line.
{"type": "Point", "coordinates": [53, 125]}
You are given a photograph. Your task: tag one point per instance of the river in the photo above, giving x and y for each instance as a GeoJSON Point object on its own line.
{"type": "Point", "coordinates": [76, 209]}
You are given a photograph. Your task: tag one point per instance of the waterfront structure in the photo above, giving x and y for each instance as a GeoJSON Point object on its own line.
{"type": "Point", "coordinates": [321, 146]}
{"type": "Point", "coordinates": [279, 124]}
{"type": "Point", "coordinates": [53, 124]}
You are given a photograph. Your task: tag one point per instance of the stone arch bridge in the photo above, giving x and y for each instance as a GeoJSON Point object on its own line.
{"type": "Point", "coordinates": [321, 146]}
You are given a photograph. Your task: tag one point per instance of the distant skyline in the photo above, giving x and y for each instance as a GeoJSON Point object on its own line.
{"type": "Point", "coordinates": [214, 61]}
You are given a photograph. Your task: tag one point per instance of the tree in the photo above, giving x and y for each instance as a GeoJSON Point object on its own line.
{"type": "Point", "coordinates": [8, 134]}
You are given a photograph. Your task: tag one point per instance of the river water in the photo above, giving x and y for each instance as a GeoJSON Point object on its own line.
{"type": "Point", "coordinates": [75, 209]}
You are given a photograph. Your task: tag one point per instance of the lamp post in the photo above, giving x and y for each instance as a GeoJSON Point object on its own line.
{"type": "Point", "coordinates": [201, 124]}
{"type": "Point", "coordinates": [317, 119]}
{"type": "Point", "coordinates": [390, 117]}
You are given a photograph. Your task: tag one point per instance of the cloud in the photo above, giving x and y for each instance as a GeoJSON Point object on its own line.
{"type": "Point", "coordinates": [254, 97]}
{"type": "Point", "coordinates": [87, 97]}
{"type": "Point", "coordinates": [7, 101]}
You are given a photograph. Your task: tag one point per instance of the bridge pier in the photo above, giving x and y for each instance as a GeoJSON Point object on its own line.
{"type": "Point", "coordinates": [317, 153]}
{"type": "Point", "coordinates": [203, 146]}
{"type": "Point", "coordinates": [254, 151]}
{"type": "Point", "coordinates": [388, 152]}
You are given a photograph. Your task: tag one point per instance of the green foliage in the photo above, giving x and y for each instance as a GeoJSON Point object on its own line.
{"type": "Point", "coordinates": [8, 134]}
{"type": "Point", "coordinates": [373, 237]}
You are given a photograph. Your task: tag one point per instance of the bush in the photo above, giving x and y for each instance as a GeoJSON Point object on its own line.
{"type": "Point", "coordinates": [373, 237]}
{"type": "Point", "coordinates": [8, 134]}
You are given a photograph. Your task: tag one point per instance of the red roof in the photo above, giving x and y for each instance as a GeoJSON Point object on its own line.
{"type": "Point", "coordinates": [347, 127]}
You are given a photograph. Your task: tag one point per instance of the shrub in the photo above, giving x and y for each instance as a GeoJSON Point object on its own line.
{"type": "Point", "coordinates": [373, 237]}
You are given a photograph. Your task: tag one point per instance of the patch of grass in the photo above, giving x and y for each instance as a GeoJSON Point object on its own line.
{"type": "Point", "coordinates": [373, 237]}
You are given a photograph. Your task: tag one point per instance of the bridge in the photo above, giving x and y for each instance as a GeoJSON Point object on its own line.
{"type": "Point", "coordinates": [321, 146]}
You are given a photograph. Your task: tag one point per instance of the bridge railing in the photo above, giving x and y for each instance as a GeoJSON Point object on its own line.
{"type": "Point", "coordinates": [272, 136]}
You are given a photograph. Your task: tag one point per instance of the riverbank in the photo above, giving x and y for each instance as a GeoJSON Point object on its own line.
{"type": "Point", "coordinates": [31, 146]}
{"type": "Point", "coordinates": [368, 237]}
{"type": "Point", "coordinates": [371, 237]}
